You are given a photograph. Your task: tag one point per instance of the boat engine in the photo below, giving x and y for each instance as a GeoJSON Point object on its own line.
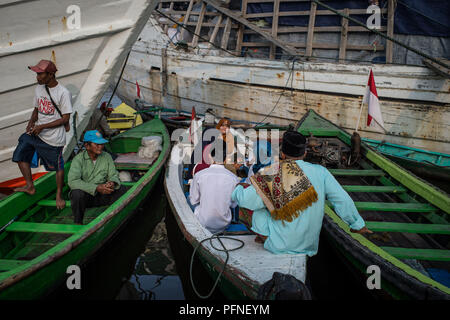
{"type": "Point", "coordinates": [328, 152]}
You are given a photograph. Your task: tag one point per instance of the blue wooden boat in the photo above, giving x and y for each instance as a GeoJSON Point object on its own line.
{"type": "Point", "coordinates": [424, 163]}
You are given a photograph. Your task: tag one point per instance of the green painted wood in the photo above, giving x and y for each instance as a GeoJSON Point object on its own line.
{"type": "Point", "coordinates": [128, 184]}
{"type": "Point", "coordinates": [432, 217]}
{"type": "Point", "coordinates": [51, 203]}
{"type": "Point", "coordinates": [6, 265]}
{"type": "Point", "coordinates": [393, 189]}
{"type": "Point", "coordinates": [44, 227]}
{"type": "Point", "coordinates": [313, 121]}
{"type": "Point", "coordinates": [408, 227]}
{"type": "Point", "coordinates": [423, 189]}
{"type": "Point", "coordinates": [50, 266]}
{"type": "Point", "coordinates": [351, 172]}
{"type": "Point", "coordinates": [419, 254]}
{"type": "Point", "coordinates": [388, 206]}
{"type": "Point", "coordinates": [409, 153]}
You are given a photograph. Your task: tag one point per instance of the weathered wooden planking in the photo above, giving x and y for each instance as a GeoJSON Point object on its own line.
{"type": "Point", "coordinates": [334, 90]}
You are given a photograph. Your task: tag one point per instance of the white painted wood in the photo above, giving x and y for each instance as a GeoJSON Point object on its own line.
{"type": "Point", "coordinates": [414, 100]}
{"type": "Point", "coordinates": [87, 58]}
{"type": "Point", "coordinates": [253, 261]}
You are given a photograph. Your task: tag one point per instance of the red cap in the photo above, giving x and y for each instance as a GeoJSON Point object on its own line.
{"type": "Point", "coordinates": [44, 66]}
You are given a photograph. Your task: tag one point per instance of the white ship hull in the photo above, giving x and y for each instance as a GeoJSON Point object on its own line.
{"type": "Point", "coordinates": [88, 43]}
{"type": "Point", "coordinates": [414, 100]}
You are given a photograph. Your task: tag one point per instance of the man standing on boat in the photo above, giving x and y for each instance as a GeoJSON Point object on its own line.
{"type": "Point", "coordinates": [46, 129]}
{"type": "Point", "coordinates": [288, 201]}
{"type": "Point", "coordinates": [93, 177]}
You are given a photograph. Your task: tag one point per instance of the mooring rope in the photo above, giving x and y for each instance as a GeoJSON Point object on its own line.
{"type": "Point", "coordinates": [218, 237]}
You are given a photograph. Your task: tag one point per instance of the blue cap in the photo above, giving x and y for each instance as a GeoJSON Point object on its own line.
{"type": "Point", "coordinates": [94, 136]}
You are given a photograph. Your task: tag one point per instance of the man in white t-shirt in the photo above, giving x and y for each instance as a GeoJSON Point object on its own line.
{"type": "Point", "coordinates": [212, 188]}
{"type": "Point", "coordinates": [46, 130]}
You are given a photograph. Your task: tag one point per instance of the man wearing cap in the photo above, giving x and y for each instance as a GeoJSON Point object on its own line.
{"type": "Point", "coordinates": [45, 132]}
{"type": "Point", "coordinates": [98, 121]}
{"type": "Point", "coordinates": [288, 201]}
{"type": "Point", "coordinates": [93, 178]}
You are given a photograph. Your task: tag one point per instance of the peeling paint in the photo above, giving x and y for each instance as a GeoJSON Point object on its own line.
{"type": "Point", "coordinates": [53, 57]}
{"type": "Point", "coordinates": [64, 23]}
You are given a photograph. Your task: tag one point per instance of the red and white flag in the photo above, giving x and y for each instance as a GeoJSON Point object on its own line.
{"type": "Point", "coordinates": [371, 98]}
{"type": "Point", "coordinates": [193, 138]}
{"type": "Point", "coordinates": [138, 90]}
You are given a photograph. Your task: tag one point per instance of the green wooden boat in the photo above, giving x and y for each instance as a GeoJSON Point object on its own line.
{"type": "Point", "coordinates": [38, 242]}
{"type": "Point", "coordinates": [424, 163]}
{"type": "Point", "coordinates": [409, 217]}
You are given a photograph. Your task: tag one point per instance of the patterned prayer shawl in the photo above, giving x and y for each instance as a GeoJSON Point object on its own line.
{"type": "Point", "coordinates": [285, 193]}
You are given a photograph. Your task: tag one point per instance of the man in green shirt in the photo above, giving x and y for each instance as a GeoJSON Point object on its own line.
{"type": "Point", "coordinates": [93, 178]}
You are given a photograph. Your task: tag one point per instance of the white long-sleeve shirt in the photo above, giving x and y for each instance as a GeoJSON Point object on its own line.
{"type": "Point", "coordinates": [212, 188]}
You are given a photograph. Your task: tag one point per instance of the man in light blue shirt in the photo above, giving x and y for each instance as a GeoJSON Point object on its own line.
{"type": "Point", "coordinates": [300, 233]}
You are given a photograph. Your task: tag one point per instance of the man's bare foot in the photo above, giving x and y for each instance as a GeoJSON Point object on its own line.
{"type": "Point", "coordinates": [60, 203]}
{"type": "Point", "coordinates": [27, 189]}
{"type": "Point", "coordinates": [260, 239]}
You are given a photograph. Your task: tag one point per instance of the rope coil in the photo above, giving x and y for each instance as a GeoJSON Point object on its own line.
{"type": "Point", "coordinates": [210, 239]}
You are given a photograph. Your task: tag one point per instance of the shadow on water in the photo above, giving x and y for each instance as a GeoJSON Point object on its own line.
{"type": "Point", "coordinates": [182, 253]}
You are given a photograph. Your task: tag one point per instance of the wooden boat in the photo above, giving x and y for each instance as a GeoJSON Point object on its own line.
{"type": "Point", "coordinates": [244, 274]}
{"type": "Point", "coordinates": [38, 242]}
{"type": "Point", "coordinates": [409, 217]}
{"type": "Point", "coordinates": [87, 40]}
{"type": "Point", "coordinates": [424, 163]}
{"type": "Point", "coordinates": [123, 117]}
{"type": "Point", "coordinates": [7, 187]}
{"type": "Point", "coordinates": [256, 73]}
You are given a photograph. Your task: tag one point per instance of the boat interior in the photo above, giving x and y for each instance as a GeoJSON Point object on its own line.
{"type": "Point", "coordinates": [405, 225]}
{"type": "Point", "coordinates": [31, 231]}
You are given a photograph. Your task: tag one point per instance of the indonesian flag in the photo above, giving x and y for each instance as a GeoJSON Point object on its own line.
{"type": "Point", "coordinates": [371, 98]}
{"type": "Point", "coordinates": [138, 90]}
{"type": "Point", "coordinates": [193, 128]}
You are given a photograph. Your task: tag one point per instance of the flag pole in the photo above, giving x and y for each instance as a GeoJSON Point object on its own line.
{"type": "Point", "coordinates": [362, 103]}
{"type": "Point", "coordinates": [359, 118]}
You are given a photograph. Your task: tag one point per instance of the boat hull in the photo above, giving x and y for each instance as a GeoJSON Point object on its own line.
{"type": "Point", "coordinates": [243, 275]}
{"type": "Point", "coordinates": [54, 274]}
{"type": "Point", "coordinates": [44, 272]}
{"type": "Point", "coordinates": [88, 42]}
{"type": "Point", "coordinates": [395, 284]}
{"type": "Point", "coordinates": [414, 100]}
{"type": "Point", "coordinates": [231, 284]}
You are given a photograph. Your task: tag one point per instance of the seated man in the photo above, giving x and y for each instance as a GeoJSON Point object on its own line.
{"type": "Point", "coordinates": [98, 121]}
{"type": "Point", "coordinates": [212, 188]}
{"type": "Point", "coordinates": [288, 201]}
{"type": "Point", "coordinates": [93, 178]}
